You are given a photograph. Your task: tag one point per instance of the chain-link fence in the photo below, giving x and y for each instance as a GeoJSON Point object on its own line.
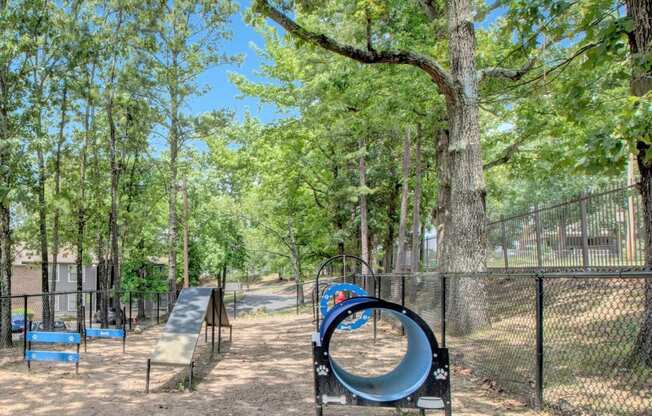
{"type": "Point", "coordinates": [572, 343]}
{"type": "Point", "coordinates": [60, 311]}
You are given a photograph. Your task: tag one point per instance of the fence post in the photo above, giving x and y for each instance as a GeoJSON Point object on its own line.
{"type": "Point", "coordinates": [25, 329]}
{"type": "Point", "coordinates": [585, 231]}
{"type": "Point", "coordinates": [538, 385]}
{"type": "Point", "coordinates": [503, 237]}
{"type": "Point", "coordinates": [90, 310]}
{"type": "Point", "coordinates": [537, 230]}
{"type": "Point", "coordinates": [443, 310]}
{"type": "Point", "coordinates": [158, 307]}
{"type": "Point", "coordinates": [130, 308]}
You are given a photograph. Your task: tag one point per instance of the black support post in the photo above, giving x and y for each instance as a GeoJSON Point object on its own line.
{"type": "Point", "coordinates": [158, 308]}
{"type": "Point", "coordinates": [130, 308]}
{"type": "Point", "coordinates": [443, 311]}
{"type": "Point", "coordinates": [538, 385]}
{"type": "Point", "coordinates": [213, 326]}
{"type": "Point", "coordinates": [90, 310]}
{"type": "Point", "coordinates": [149, 368]}
{"type": "Point", "coordinates": [25, 329]}
{"type": "Point", "coordinates": [584, 230]}
{"type": "Point", "coordinates": [220, 294]}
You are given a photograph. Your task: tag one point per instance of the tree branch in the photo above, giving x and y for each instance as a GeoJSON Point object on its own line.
{"type": "Point", "coordinates": [436, 72]}
{"type": "Point", "coordinates": [430, 8]}
{"type": "Point", "coordinates": [507, 155]}
{"type": "Point", "coordinates": [508, 73]}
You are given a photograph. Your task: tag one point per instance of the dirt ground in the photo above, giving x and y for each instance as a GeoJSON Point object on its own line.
{"type": "Point", "coordinates": [266, 371]}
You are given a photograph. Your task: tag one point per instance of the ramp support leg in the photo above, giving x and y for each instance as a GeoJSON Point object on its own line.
{"type": "Point", "coordinates": [192, 365]}
{"type": "Point", "coordinates": [149, 367]}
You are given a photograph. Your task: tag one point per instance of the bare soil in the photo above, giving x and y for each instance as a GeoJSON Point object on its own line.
{"type": "Point", "coordinates": [266, 371]}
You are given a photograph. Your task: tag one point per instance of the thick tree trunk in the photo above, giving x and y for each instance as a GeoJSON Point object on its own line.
{"type": "Point", "coordinates": [416, 207]}
{"type": "Point", "coordinates": [364, 227]}
{"type": "Point", "coordinates": [464, 242]}
{"type": "Point", "coordinates": [400, 265]}
{"type": "Point", "coordinates": [640, 11]}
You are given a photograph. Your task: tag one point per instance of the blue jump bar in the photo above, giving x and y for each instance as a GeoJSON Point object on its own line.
{"type": "Point", "coordinates": [104, 333]}
{"type": "Point", "coordinates": [66, 357]}
{"type": "Point", "coordinates": [54, 337]}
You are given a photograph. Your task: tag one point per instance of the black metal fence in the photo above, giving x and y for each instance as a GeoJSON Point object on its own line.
{"type": "Point", "coordinates": [565, 342]}
{"type": "Point", "coordinates": [60, 308]}
{"type": "Point", "coordinates": [604, 229]}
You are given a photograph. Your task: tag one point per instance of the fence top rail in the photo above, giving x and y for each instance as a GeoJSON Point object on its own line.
{"type": "Point", "coordinates": [87, 291]}
{"type": "Point", "coordinates": [574, 200]}
{"type": "Point", "coordinates": [534, 273]}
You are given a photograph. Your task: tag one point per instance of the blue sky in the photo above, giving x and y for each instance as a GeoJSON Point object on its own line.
{"type": "Point", "coordinates": [223, 94]}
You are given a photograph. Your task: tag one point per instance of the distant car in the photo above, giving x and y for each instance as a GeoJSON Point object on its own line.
{"type": "Point", "coordinates": [59, 326]}
{"type": "Point", "coordinates": [17, 324]}
{"type": "Point", "coordinates": [111, 315]}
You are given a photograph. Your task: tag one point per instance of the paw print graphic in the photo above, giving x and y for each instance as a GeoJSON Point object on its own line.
{"type": "Point", "coordinates": [440, 374]}
{"type": "Point", "coordinates": [322, 370]}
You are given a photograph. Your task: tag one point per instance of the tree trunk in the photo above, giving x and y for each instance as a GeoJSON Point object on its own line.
{"type": "Point", "coordinates": [416, 207]}
{"type": "Point", "coordinates": [5, 207]}
{"type": "Point", "coordinates": [296, 260]}
{"type": "Point", "coordinates": [113, 223]}
{"type": "Point", "coordinates": [186, 272]}
{"type": "Point", "coordinates": [640, 41]}
{"type": "Point", "coordinates": [172, 202]}
{"type": "Point", "coordinates": [43, 238]}
{"type": "Point", "coordinates": [5, 270]}
{"type": "Point", "coordinates": [364, 227]}
{"type": "Point", "coordinates": [57, 193]}
{"type": "Point", "coordinates": [464, 243]}
{"type": "Point", "coordinates": [103, 280]}
{"type": "Point", "coordinates": [402, 224]}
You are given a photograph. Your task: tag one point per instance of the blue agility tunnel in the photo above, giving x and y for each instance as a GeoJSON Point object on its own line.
{"type": "Point", "coordinates": [421, 379]}
{"type": "Point", "coordinates": [357, 291]}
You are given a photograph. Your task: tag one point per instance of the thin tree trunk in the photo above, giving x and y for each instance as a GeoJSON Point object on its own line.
{"type": "Point", "coordinates": [640, 41]}
{"type": "Point", "coordinates": [364, 227]}
{"type": "Point", "coordinates": [296, 260]}
{"type": "Point", "coordinates": [113, 222]}
{"type": "Point", "coordinates": [43, 238]}
{"type": "Point", "coordinates": [399, 267]}
{"type": "Point", "coordinates": [57, 193]}
{"type": "Point", "coordinates": [5, 271]}
{"type": "Point", "coordinates": [172, 202]}
{"type": "Point", "coordinates": [5, 207]}
{"type": "Point", "coordinates": [186, 272]}
{"type": "Point", "coordinates": [416, 207]}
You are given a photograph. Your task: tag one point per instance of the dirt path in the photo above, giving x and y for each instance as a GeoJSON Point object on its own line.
{"type": "Point", "coordinates": [267, 371]}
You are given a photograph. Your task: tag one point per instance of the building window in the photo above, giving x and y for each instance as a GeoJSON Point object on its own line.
{"type": "Point", "coordinates": [72, 273]}
{"type": "Point", "coordinates": [57, 303]}
{"type": "Point", "coordinates": [72, 303]}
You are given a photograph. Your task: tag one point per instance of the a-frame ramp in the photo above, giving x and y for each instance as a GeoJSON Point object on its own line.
{"type": "Point", "coordinates": [177, 343]}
